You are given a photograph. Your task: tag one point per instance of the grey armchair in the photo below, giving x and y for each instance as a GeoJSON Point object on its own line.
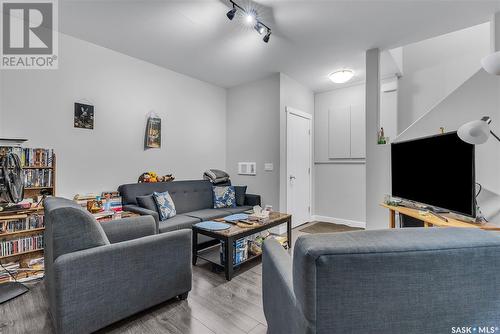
{"type": "Point", "coordinates": [409, 281]}
{"type": "Point", "coordinates": [97, 274]}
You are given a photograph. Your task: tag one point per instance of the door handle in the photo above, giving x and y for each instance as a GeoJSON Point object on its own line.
{"type": "Point", "coordinates": [292, 177]}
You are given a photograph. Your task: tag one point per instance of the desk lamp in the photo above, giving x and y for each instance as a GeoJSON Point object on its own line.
{"type": "Point", "coordinates": [476, 132]}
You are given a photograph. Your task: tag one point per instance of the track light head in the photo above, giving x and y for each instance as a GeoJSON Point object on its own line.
{"type": "Point", "coordinates": [259, 27]}
{"type": "Point", "coordinates": [266, 38]}
{"type": "Point", "coordinates": [251, 17]}
{"type": "Point", "coordinates": [231, 13]}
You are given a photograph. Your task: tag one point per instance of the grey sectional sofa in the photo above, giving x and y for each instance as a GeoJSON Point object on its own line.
{"type": "Point", "coordinates": [193, 202]}
{"type": "Point", "coordinates": [99, 273]}
{"type": "Point", "coordinates": [408, 281]}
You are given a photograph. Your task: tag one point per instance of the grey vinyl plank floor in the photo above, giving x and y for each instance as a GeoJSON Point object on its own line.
{"type": "Point", "coordinates": [214, 306]}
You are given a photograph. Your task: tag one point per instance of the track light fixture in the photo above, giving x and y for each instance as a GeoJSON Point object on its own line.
{"type": "Point", "coordinates": [231, 13]}
{"type": "Point", "coordinates": [251, 18]}
{"type": "Point", "coordinates": [259, 28]}
{"type": "Point", "coordinates": [266, 38]}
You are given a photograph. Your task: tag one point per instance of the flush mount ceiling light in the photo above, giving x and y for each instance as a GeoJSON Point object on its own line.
{"type": "Point", "coordinates": [341, 76]}
{"type": "Point", "coordinates": [251, 18]}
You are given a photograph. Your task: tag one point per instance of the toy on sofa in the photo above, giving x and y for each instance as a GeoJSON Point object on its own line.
{"type": "Point", "coordinates": [152, 177]}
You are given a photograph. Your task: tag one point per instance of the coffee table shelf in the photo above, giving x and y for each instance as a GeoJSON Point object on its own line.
{"type": "Point", "coordinates": [232, 234]}
{"type": "Point", "coordinates": [212, 255]}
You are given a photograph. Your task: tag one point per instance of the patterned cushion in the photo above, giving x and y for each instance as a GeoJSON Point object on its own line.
{"type": "Point", "coordinates": [166, 206]}
{"type": "Point", "coordinates": [224, 197]}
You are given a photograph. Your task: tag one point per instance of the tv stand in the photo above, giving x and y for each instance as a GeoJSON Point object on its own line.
{"type": "Point", "coordinates": [430, 220]}
{"type": "Point", "coordinates": [412, 205]}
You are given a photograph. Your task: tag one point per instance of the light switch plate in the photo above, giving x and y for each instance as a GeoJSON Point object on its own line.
{"type": "Point", "coordinates": [247, 168]}
{"type": "Point", "coordinates": [268, 166]}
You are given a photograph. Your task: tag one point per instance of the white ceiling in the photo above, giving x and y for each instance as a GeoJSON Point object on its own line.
{"type": "Point", "coordinates": [310, 38]}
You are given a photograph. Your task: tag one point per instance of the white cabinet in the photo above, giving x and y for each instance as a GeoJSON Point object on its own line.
{"type": "Point", "coordinates": [346, 133]}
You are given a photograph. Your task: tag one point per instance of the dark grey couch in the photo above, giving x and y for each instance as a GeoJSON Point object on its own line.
{"type": "Point", "coordinates": [193, 202]}
{"type": "Point", "coordinates": [97, 274]}
{"type": "Point", "coordinates": [408, 281]}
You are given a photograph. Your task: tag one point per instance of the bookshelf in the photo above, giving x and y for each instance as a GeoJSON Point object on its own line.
{"type": "Point", "coordinates": [21, 241]}
{"type": "Point", "coordinates": [22, 230]}
{"type": "Point", "coordinates": [39, 167]}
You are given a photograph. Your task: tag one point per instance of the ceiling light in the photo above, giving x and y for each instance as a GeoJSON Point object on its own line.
{"type": "Point", "coordinates": [231, 13]}
{"type": "Point", "coordinates": [266, 38]}
{"type": "Point", "coordinates": [251, 17]}
{"type": "Point", "coordinates": [341, 76]}
{"type": "Point", "coordinates": [259, 28]}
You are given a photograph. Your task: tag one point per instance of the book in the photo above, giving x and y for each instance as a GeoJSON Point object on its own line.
{"type": "Point", "coordinates": [20, 245]}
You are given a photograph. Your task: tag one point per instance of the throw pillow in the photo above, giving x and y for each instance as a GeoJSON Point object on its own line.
{"type": "Point", "coordinates": [147, 202]}
{"type": "Point", "coordinates": [240, 194]}
{"type": "Point", "coordinates": [224, 197]}
{"type": "Point", "coordinates": [165, 204]}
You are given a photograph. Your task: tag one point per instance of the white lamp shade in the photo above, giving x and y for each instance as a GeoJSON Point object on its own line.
{"type": "Point", "coordinates": [475, 132]}
{"type": "Point", "coordinates": [491, 63]}
{"type": "Point", "coordinates": [341, 76]}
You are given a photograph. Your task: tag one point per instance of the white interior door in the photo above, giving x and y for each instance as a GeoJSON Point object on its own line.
{"type": "Point", "coordinates": [299, 160]}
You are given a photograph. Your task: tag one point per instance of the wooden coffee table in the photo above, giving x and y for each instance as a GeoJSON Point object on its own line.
{"type": "Point", "coordinates": [229, 236]}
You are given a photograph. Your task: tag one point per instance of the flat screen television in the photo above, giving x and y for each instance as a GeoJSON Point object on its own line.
{"type": "Point", "coordinates": [438, 171]}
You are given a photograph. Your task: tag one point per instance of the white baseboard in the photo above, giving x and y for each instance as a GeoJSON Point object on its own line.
{"type": "Point", "coordinates": [352, 223]}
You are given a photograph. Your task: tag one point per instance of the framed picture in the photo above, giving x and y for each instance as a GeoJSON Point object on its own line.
{"type": "Point", "coordinates": [153, 133]}
{"type": "Point", "coordinates": [84, 116]}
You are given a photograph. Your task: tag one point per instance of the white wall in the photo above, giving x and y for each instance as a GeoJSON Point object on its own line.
{"type": "Point", "coordinates": [256, 132]}
{"type": "Point", "coordinates": [377, 156]}
{"type": "Point", "coordinates": [389, 108]}
{"type": "Point", "coordinates": [1, 105]}
{"type": "Point", "coordinates": [339, 187]}
{"type": "Point", "coordinates": [39, 105]}
{"type": "Point", "coordinates": [293, 95]}
{"type": "Point", "coordinates": [253, 135]}
{"type": "Point", "coordinates": [433, 68]}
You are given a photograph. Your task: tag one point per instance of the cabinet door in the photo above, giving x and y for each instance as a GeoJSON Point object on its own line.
{"type": "Point", "coordinates": [358, 132]}
{"type": "Point", "coordinates": [339, 133]}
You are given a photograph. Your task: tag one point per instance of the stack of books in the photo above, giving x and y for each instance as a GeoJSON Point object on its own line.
{"type": "Point", "coordinates": [240, 251]}
{"type": "Point", "coordinates": [20, 245]}
{"type": "Point", "coordinates": [4, 273]}
{"type": "Point", "coordinates": [112, 201]}
{"type": "Point", "coordinates": [82, 199]}
{"type": "Point", "coordinates": [33, 271]}
{"type": "Point", "coordinates": [112, 204]}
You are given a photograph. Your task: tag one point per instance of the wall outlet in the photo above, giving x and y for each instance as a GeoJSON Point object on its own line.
{"type": "Point", "coordinates": [268, 167]}
{"type": "Point", "coordinates": [247, 168]}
